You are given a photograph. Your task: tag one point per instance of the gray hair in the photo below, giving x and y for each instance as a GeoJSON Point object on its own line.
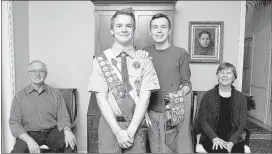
{"type": "Point", "coordinates": [37, 61]}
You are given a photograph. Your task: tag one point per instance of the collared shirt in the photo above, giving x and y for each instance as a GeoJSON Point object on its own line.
{"type": "Point", "coordinates": [142, 77]}
{"type": "Point", "coordinates": [33, 111]}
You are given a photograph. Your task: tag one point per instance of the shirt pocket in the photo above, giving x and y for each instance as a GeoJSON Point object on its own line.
{"type": "Point", "coordinates": [136, 82]}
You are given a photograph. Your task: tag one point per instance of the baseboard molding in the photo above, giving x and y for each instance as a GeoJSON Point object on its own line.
{"type": "Point", "coordinates": [260, 123]}
{"type": "Point", "coordinates": [82, 151]}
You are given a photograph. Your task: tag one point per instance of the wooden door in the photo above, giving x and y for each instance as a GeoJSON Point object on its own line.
{"type": "Point", "coordinates": [142, 37]}
{"type": "Point", "coordinates": [261, 63]}
{"type": "Point", "coordinates": [103, 38]}
{"type": "Point", "coordinates": [247, 66]}
{"type": "Point", "coordinates": [259, 84]}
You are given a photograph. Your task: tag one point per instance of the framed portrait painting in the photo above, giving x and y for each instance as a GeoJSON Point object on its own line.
{"type": "Point", "coordinates": [206, 41]}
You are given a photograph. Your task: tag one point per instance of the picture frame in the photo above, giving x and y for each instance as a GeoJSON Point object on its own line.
{"type": "Point", "coordinates": [206, 41]}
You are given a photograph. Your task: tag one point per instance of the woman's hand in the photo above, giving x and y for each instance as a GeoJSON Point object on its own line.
{"type": "Point", "coordinates": [229, 146]}
{"type": "Point", "coordinates": [219, 142]}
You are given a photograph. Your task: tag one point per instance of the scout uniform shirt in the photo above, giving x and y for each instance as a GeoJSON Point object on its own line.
{"type": "Point", "coordinates": [142, 76]}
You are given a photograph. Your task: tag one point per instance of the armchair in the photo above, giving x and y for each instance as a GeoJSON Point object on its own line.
{"type": "Point", "coordinates": [69, 96]}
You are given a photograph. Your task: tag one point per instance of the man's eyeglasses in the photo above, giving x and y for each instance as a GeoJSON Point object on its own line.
{"type": "Point", "coordinates": [37, 71]}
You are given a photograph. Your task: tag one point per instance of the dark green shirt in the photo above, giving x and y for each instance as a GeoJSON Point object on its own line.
{"type": "Point", "coordinates": [33, 111]}
{"type": "Point", "coordinates": [172, 67]}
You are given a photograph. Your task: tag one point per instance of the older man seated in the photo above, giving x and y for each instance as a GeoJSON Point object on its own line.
{"type": "Point", "coordinates": [39, 116]}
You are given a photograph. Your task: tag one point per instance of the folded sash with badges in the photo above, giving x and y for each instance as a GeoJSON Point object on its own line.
{"type": "Point", "coordinates": [174, 109]}
{"type": "Point", "coordinates": [173, 115]}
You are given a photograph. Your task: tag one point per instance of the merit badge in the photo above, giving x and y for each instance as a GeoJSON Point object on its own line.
{"type": "Point", "coordinates": [181, 99]}
{"type": "Point", "coordinates": [112, 72]}
{"type": "Point", "coordinates": [182, 111]}
{"type": "Point", "coordinates": [114, 90]}
{"type": "Point", "coordinates": [117, 96]}
{"type": "Point", "coordinates": [110, 79]}
{"type": "Point", "coordinates": [136, 65]}
{"type": "Point", "coordinates": [102, 63]}
{"type": "Point", "coordinates": [107, 74]}
{"type": "Point", "coordinates": [107, 62]}
{"type": "Point", "coordinates": [179, 93]}
{"type": "Point", "coordinates": [114, 77]}
{"type": "Point", "coordinates": [176, 100]}
{"type": "Point", "coordinates": [105, 69]}
{"type": "Point", "coordinates": [112, 85]}
{"type": "Point", "coordinates": [137, 83]}
{"type": "Point", "coordinates": [99, 58]}
{"type": "Point", "coordinates": [117, 82]}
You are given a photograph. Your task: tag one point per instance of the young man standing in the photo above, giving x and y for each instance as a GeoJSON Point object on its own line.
{"type": "Point", "coordinates": [122, 84]}
{"type": "Point", "coordinates": [172, 66]}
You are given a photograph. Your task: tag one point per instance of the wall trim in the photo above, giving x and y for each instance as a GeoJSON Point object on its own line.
{"type": "Point", "coordinates": [240, 59]}
{"type": "Point", "coordinates": [11, 48]}
{"type": "Point", "coordinates": [8, 73]}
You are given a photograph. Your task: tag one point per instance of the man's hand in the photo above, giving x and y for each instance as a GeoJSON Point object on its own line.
{"type": "Point", "coordinates": [123, 138]}
{"type": "Point", "coordinates": [141, 54]}
{"type": "Point", "coordinates": [218, 142]}
{"type": "Point", "coordinates": [70, 139]}
{"type": "Point", "coordinates": [229, 146]}
{"type": "Point", "coordinates": [147, 120]}
{"type": "Point", "coordinates": [33, 147]}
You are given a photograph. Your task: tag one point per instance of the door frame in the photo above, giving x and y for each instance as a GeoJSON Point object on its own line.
{"type": "Point", "coordinates": [268, 114]}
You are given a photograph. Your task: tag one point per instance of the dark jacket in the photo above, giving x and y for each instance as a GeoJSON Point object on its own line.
{"type": "Point", "coordinates": [209, 113]}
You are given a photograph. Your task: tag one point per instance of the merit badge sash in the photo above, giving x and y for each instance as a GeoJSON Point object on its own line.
{"type": "Point", "coordinates": [174, 109]}
{"type": "Point", "coordinates": [125, 102]}
{"type": "Point", "coordinates": [174, 114]}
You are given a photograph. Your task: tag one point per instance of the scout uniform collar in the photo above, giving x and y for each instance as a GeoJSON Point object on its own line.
{"type": "Point", "coordinates": [117, 49]}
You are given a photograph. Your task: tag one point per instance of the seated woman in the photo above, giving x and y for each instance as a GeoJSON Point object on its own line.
{"type": "Point", "coordinates": [223, 114]}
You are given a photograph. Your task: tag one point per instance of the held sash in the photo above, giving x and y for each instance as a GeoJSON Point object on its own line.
{"type": "Point", "coordinates": [173, 115]}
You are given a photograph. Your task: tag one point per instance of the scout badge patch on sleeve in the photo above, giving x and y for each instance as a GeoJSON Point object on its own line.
{"type": "Point", "coordinates": [137, 84]}
{"type": "Point", "coordinates": [136, 65]}
{"type": "Point", "coordinates": [174, 110]}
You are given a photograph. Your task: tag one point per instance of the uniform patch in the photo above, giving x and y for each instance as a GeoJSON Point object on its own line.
{"type": "Point", "coordinates": [99, 58]}
{"type": "Point", "coordinates": [105, 68]}
{"type": "Point", "coordinates": [114, 90]}
{"type": "Point", "coordinates": [110, 79]}
{"type": "Point", "coordinates": [107, 74]}
{"type": "Point", "coordinates": [137, 83]}
{"type": "Point", "coordinates": [102, 63]}
{"type": "Point", "coordinates": [136, 64]}
{"type": "Point", "coordinates": [115, 77]}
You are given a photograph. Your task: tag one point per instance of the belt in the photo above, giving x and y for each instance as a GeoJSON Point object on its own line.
{"type": "Point", "coordinates": [120, 119]}
{"type": "Point", "coordinates": [44, 130]}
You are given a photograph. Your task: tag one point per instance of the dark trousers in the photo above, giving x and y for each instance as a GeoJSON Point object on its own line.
{"type": "Point", "coordinates": [237, 148]}
{"type": "Point", "coordinates": [52, 138]}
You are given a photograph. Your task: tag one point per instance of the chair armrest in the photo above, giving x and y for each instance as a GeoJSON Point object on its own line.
{"type": "Point", "coordinates": [247, 136]}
